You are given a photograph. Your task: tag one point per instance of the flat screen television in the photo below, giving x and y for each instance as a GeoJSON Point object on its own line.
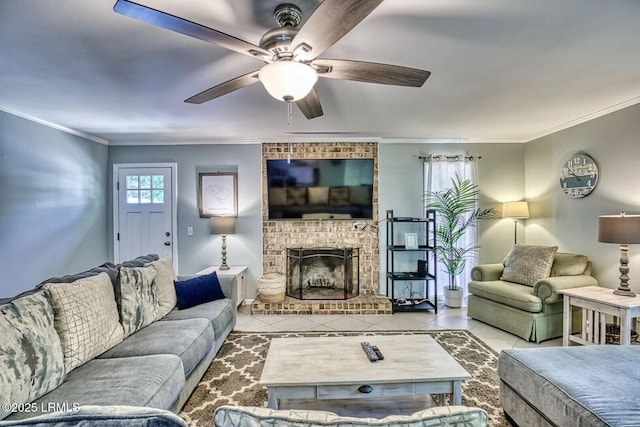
{"type": "Point", "coordinates": [320, 189]}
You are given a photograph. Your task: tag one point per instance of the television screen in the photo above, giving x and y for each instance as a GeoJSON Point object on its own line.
{"type": "Point", "coordinates": [320, 189]}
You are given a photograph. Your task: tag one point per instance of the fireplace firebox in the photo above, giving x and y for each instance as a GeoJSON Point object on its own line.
{"type": "Point", "coordinates": [323, 273]}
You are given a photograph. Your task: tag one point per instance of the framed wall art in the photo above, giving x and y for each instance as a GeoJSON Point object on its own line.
{"type": "Point", "coordinates": [218, 194]}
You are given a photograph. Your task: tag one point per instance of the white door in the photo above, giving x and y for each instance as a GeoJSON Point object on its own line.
{"type": "Point", "coordinates": [145, 209]}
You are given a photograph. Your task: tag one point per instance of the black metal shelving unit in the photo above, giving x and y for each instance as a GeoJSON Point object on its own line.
{"type": "Point", "coordinates": [425, 231]}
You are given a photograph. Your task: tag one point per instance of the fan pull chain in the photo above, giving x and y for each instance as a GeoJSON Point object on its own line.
{"type": "Point", "coordinates": [289, 121]}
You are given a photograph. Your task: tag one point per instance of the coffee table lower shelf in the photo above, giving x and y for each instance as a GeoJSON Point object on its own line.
{"type": "Point", "coordinates": [438, 390]}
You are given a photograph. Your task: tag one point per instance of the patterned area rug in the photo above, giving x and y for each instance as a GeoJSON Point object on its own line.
{"type": "Point", "coordinates": [232, 378]}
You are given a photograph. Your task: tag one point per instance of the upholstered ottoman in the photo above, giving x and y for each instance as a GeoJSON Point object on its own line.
{"type": "Point", "coordinates": [571, 386]}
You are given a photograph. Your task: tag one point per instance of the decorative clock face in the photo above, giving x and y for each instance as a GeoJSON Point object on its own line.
{"type": "Point", "coordinates": [578, 176]}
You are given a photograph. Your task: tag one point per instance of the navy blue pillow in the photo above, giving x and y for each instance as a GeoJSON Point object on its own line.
{"type": "Point", "coordinates": [198, 290]}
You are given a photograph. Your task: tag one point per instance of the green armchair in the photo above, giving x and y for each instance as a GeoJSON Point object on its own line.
{"type": "Point", "coordinates": [533, 313]}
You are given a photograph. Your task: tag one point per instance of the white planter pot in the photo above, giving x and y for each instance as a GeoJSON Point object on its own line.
{"type": "Point", "coordinates": [453, 297]}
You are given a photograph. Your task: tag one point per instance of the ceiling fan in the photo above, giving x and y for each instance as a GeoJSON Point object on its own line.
{"type": "Point", "coordinates": [291, 52]}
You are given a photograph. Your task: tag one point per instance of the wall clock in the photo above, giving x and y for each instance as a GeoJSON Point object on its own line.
{"type": "Point", "coordinates": [578, 176]}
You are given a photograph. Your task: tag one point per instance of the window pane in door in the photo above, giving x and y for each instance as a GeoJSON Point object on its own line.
{"type": "Point", "coordinates": [132, 196]}
{"type": "Point", "coordinates": [145, 181]}
{"type": "Point", "coordinates": [157, 196]}
{"type": "Point", "coordinates": [145, 196]}
{"type": "Point", "coordinates": [132, 182]}
{"type": "Point", "coordinates": [157, 181]}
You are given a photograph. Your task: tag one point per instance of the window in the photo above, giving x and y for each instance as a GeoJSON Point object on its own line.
{"type": "Point", "coordinates": [145, 189]}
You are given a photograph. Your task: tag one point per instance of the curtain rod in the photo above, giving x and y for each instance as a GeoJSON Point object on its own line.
{"type": "Point", "coordinates": [438, 157]}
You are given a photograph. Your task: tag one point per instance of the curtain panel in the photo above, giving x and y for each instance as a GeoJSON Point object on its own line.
{"type": "Point", "coordinates": [439, 170]}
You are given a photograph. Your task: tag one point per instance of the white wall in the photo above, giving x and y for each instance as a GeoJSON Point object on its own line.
{"type": "Point", "coordinates": [572, 224]}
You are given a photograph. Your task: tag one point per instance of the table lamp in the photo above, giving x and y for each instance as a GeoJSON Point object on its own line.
{"type": "Point", "coordinates": [223, 225]}
{"type": "Point", "coordinates": [624, 230]}
{"type": "Point", "coordinates": [515, 210]}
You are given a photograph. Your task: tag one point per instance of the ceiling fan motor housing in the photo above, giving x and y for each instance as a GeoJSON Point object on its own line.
{"type": "Point", "coordinates": [278, 41]}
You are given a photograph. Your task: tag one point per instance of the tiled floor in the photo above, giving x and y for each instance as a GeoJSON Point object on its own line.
{"type": "Point", "coordinates": [446, 318]}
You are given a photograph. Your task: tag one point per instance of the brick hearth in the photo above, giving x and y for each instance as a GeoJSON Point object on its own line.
{"type": "Point", "coordinates": [362, 304]}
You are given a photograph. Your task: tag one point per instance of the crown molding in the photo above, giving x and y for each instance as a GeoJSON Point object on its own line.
{"type": "Point", "coordinates": [55, 126]}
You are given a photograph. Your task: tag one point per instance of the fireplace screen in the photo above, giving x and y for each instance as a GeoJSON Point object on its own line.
{"type": "Point", "coordinates": [323, 273]}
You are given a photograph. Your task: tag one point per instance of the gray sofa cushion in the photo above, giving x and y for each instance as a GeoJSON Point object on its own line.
{"type": "Point", "coordinates": [507, 293]}
{"type": "Point", "coordinates": [153, 381]}
{"type": "Point", "coordinates": [189, 339]}
{"type": "Point", "coordinates": [221, 313]}
{"type": "Point", "coordinates": [590, 385]}
{"type": "Point", "coordinates": [104, 416]}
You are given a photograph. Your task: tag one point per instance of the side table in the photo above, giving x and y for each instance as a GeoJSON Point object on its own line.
{"type": "Point", "coordinates": [596, 303]}
{"type": "Point", "coordinates": [236, 273]}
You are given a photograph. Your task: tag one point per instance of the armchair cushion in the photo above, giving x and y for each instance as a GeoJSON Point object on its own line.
{"type": "Point", "coordinates": [526, 264]}
{"type": "Point", "coordinates": [569, 264]}
{"type": "Point", "coordinates": [510, 294]}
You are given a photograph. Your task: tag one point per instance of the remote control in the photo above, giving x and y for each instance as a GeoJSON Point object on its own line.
{"type": "Point", "coordinates": [369, 352]}
{"type": "Point", "coordinates": [377, 351]}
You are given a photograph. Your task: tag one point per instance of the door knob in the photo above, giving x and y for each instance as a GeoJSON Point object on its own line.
{"type": "Point", "coordinates": [167, 234]}
{"type": "Point", "coordinates": [167, 243]}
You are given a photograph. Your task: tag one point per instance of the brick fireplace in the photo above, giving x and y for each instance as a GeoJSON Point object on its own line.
{"type": "Point", "coordinates": [278, 236]}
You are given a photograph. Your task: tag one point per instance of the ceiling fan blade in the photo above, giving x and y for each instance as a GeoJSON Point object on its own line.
{"type": "Point", "coordinates": [224, 88]}
{"type": "Point", "coordinates": [331, 20]}
{"type": "Point", "coordinates": [371, 72]}
{"type": "Point", "coordinates": [189, 28]}
{"type": "Point", "coordinates": [310, 105]}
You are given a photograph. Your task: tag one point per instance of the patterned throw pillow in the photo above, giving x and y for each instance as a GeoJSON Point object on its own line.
{"type": "Point", "coordinates": [339, 196]}
{"type": "Point", "coordinates": [165, 290]}
{"type": "Point", "coordinates": [296, 196]}
{"type": "Point", "coordinates": [86, 318]}
{"type": "Point", "coordinates": [439, 416]}
{"type": "Point", "coordinates": [526, 264]}
{"type": "Point", "coordinates": [30, 353]}
{"type": "Point", "coordinates": [138, 299]}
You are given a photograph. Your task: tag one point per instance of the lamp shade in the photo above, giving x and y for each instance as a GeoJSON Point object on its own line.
{"type": "Point", "coordinates": [515, 210]}
{"type": "Point", "coordinates": [622, 229]}
{"type": "Point", "coordinates": [288, 81]}
{"type": "Point", "coordinates": [223, 225]}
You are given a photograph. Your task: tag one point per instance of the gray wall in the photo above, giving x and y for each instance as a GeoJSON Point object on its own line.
{"type": "Point", "coordinates": [572, 224]}
{"type": "Point", "coordinates": [204, 249]}
{"type": "Point", "coordinates": [500, 176]}
{"type": "Point", "coordinates": [53, 214]}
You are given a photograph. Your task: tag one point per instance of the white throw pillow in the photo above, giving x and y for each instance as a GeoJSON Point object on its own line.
{"type": "Point", "coordinates": [165, 288]}
{"type": "Point", "coordinates": [85, 317]}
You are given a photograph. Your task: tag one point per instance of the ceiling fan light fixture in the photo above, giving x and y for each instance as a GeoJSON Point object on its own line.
{"type": "Point", "coordinates": [288, 81]}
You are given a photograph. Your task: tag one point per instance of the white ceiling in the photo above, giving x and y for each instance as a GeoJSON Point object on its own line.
{"type": "Point", "coordinates": [502, 70]}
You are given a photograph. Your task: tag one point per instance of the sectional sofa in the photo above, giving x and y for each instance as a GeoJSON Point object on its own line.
{"type": "Point", "coordinates": [111, 337]}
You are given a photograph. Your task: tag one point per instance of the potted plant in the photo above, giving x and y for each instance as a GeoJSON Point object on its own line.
{"type": "Point", "coordinates": [457, 212]}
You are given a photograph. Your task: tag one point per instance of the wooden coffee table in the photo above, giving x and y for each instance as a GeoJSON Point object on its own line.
{"type": "Point", "coordinates": [337, 368]}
